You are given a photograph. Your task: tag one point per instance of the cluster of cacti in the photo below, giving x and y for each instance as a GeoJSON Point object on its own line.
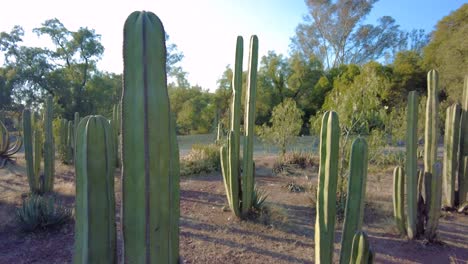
{"type": "Point", "coordinates": [424, 188]}
{"type": "Point", "coordinates": [95, 231]}
{"type": "Point", "coordinates": [240, 186]}
{"type": "Point", "coordinates": [37, 143]}
{"type": "Point", "coordinates": [326, 193]}
{"type": "Point", "coordinates": [7, 148]}
{"type": "Point", "coordinates": [456, 152]}
{"type": "Point", "coordinates": [150, 160]}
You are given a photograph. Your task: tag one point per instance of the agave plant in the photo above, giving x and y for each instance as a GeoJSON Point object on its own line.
{"type": "Point", "coordinates": [7, 148]}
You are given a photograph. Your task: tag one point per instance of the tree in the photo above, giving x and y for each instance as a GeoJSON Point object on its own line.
{"type": "Point", "coordinates": [286, 123]}
{"type": "Point", "coordinates": [448, 52]}
{"type": "Point", "coordinates": [334, 33]}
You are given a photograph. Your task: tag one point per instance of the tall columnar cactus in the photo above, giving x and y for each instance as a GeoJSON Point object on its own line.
{"type": "Point", "coordinates": [463, 142]}
{"type": "Point", "coordinates": [95, 232]}
{"type": "Point", "coordinates": [49, 146]}
{"type": "Point", "coordinates": [70, 143]}
{"type": "Point", "coordinates": [326, 190]}
{"type": "Point", "coordinates": [430, 151]}
{"type": "Point", "coordinates": [150, 155]}
{"type": "Point", "coordinates": [354, 212]}
{"type": "Point", "coordinates": [451, 145]}
{"type": "Point", "coordinates": [240, 188]}
{"type": "Point", "coordinates": [248, 171]}
{"type": "Point", "coordinates": [32, 151]}
{"type": "Point", "coordinates": [411, 166]}
{"type": "Point", "coordinates": [431, 131]}
{"type": "Point", "coordinates": [361, 252]}
{"type": "Point", "coordinates": [399, 198]}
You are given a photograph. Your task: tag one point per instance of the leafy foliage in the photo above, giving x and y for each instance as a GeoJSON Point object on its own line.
{"type": "Point", "coordinates": [448, 51]}
{"type": "Point", "coordinates": [286, 123]}
{"type": "Point", "coordinates": [333, 31]}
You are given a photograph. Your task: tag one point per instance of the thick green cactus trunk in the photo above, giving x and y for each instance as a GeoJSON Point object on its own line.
{"type": "Point", "coordinates": [411, 166]}
{"type": "Point", "coordinates": [354, 212]}
{"type": "Point", "coordinates": [248, 172]}
{"type": "Point", "coordinates": [326, 190]}
{"type": "Point", "coordinates": [150, 155]}
{"type": "Point", "coordinates": [49, 146]}
{"type": "Point", "coordinates": [431, 130]}
{"type": "Point", "coordinates": [463, 142]}
{"type": "Point", "coordinates": [115, 121]}
{"type": "Point", "coordinates": [435, 203]}
{"type": "Point", "coordinates": [95, 231]}
{"type": "Point", "coordinates": [32, 161]}
{"type": "Point", "coordinates": [451, 145]}
{"type": "Point", "coordinates": [361, 253]}
{"type": "Point", "coordinates": [240, 188]}
{"type": "Point", "coordinates": [399, 198]}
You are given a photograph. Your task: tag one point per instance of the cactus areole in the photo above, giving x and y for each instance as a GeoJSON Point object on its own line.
{"type": "Point", "coordinates": [150, 155]}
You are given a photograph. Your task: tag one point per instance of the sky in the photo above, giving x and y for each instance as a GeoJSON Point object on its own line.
{"type": "Point", "coordinates": [204, 31]}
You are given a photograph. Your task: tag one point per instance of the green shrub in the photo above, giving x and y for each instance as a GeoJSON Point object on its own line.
{"type": "Point", "coordinates": [41, 212]}
{"type": "Point", "coordinates": [202, 158]}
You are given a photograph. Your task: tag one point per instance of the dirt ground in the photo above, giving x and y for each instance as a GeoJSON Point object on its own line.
{"type": "Point", "coordinates": [209, 234]}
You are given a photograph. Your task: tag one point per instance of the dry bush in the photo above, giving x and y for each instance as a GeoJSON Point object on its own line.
{"type": "Point", "coordinates": [202, 158]}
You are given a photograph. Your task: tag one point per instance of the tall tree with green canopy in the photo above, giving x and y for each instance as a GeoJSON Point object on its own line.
{"type": "Point", "coordinates": [448, 52]}
{"type": "Point", "coordinates": [333, 31]}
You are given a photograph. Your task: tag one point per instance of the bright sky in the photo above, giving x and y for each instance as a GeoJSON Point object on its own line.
{"type": "Point", "coordinates": [204, 30]}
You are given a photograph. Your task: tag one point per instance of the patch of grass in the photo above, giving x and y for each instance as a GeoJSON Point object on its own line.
{"type": "Point", "coordinates": [41, 212]}
{"type": "Point", "coordinates": [295, 158]}
{"type": "Point", "coordinates": [294, 187]}
{"type": "Point", "coordinates": [201, 158]}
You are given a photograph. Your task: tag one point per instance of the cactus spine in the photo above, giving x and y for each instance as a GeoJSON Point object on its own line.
{"type": "Point", "coordinates": [412, 164]}
{"type": "Point", "coordinates": [354, 211]}
{"type": "Point", "coordinates": [463, 142]}
{"type": "Point", "coordinates": [150, 155]}
{"type": "Point", "coordinates": [95, 233]}
{"type": "Point", "coordinates": [239, 191]}
{"type": "Point", "coordinates": [430, 152]}
{"type": "Point", "coordinates": [451, 145]}
{"type": "Point", "coordinates": [398, 199]}
{"type": "Point", "coordinates": [327, 185]}
{"type": "Point", "coordinates": [49, 146]}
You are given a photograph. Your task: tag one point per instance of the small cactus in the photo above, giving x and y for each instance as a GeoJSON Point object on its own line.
{"type": "Point", "coordinates": [326, 189]}
{"type": "Point", "coordinates": [362, 254]}
{"type": "Point", "coordinates": [95, 231]}
{"type": "Point", "coordinates": [354, 212]}
{"type": "Point", "coordinates": [398, 199]}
